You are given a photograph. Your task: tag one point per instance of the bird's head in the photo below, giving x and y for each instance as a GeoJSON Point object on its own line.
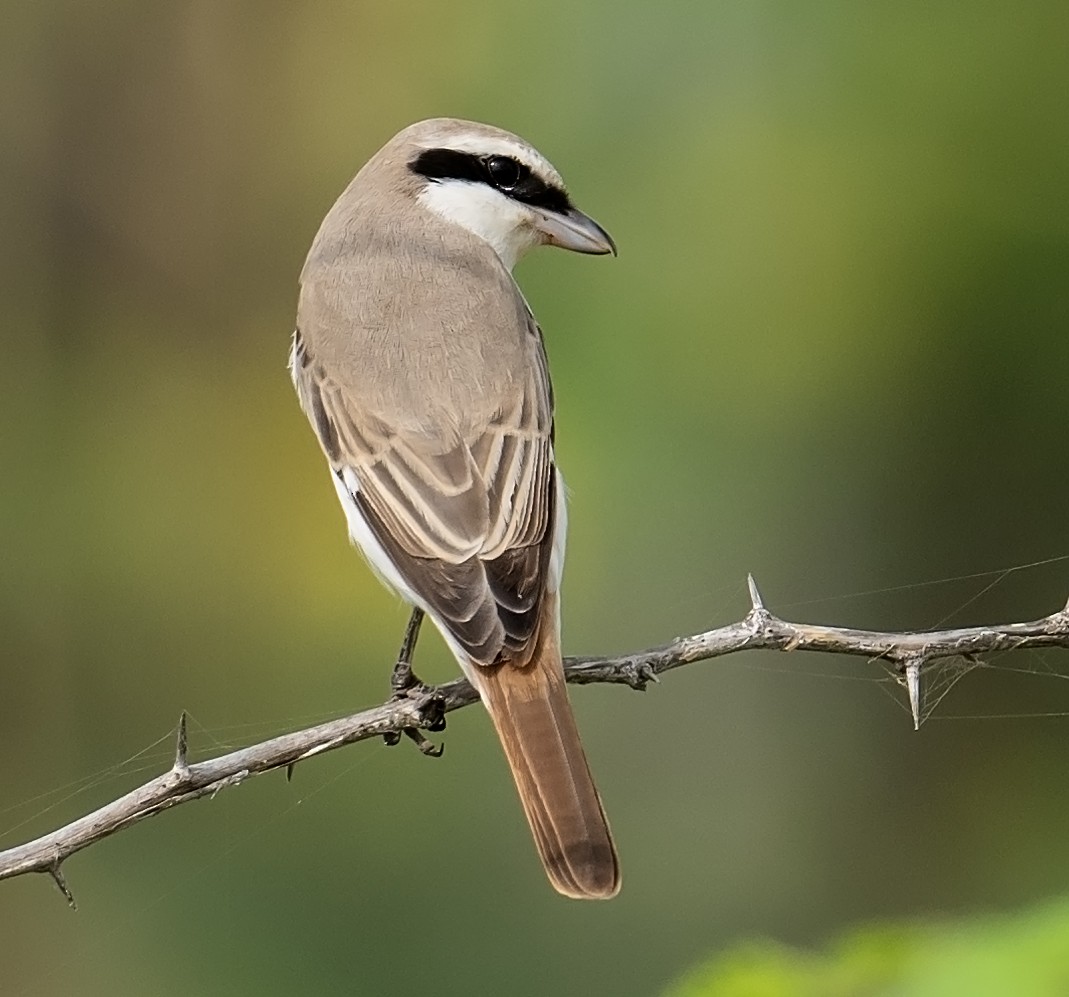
{"type": "Point", "coordinates": [495, 185]}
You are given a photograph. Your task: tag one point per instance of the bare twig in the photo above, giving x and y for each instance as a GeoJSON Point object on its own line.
{"type": "Point", "coordinates": [910, 652]}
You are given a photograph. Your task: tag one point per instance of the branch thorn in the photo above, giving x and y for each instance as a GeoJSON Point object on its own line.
{"type": "Point", "coordinates": [755, 596]}
{"type": "Point", "coordinates": [289, 771]}
{"type": "Point", "coordinates": [913, 685]}
{"type": "Point", "coordinates": [57, 876]}
{"type": "Point", "coordinates": [181, 764]}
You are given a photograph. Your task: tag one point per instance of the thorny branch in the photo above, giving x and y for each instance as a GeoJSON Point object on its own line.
{"type": "Point", "coordinates": [909, 652]}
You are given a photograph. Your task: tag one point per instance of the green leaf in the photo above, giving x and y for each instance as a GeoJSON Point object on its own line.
{"type": "Point", "coordinates": [1026, 955]}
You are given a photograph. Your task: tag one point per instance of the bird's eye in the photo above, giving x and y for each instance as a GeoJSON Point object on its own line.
{"type": "Point", "coordinates": [504, 172]}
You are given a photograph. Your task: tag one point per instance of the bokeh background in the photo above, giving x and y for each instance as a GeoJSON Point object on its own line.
{"type": "Point", "coordinates": [832, 352]}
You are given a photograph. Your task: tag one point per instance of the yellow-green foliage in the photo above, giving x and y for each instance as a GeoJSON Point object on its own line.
{"type": "Point", "coordinates": [1025, 956]}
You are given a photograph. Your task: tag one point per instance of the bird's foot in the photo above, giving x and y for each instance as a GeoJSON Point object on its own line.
{"type": "Point", "coordinates": [406, 687]}
{"type": "Point", "coordinates": [429, 704]}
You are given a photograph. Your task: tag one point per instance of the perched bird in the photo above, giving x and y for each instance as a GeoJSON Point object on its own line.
{"type": "Point", "coordinates": [424, 375]}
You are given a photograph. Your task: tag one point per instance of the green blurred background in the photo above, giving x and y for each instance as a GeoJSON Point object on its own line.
{"type": "Point", "coordinates": [832, 352]}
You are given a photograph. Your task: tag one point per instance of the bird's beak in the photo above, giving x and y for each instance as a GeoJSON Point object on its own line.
{"type": "Point", "coordinates": [575, 231]}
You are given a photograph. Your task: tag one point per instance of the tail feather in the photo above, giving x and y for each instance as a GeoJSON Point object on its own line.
{"type": "Point", "coordinates": [534, 721]}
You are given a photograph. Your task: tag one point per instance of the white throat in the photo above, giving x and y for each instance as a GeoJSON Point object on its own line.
{"type": "Point", "coordinates": [504, 223]}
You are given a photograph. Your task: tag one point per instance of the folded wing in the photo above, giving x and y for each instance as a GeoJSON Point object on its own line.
{"type": "Point", "coordinates": [467, 520]}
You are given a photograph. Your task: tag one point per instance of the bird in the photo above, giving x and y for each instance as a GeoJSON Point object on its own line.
{"type": "Point", "coordinates": [423, 372]}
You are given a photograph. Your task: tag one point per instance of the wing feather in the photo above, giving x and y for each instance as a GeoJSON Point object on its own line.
{"type": "Point", "coordinates": [466, 518]}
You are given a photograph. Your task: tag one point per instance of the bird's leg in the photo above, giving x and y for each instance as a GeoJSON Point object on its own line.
{"type": "Point", "coordinates": [406, 685]}
{"type": "Point", "coordinates": [403, 679]}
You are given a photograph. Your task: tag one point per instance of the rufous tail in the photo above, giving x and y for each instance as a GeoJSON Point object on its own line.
{"type": "Point", "coordinates": [534, 721]}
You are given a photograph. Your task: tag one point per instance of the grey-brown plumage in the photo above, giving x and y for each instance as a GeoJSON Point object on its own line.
{"type": "Point", "coordinates": [424, 375]}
